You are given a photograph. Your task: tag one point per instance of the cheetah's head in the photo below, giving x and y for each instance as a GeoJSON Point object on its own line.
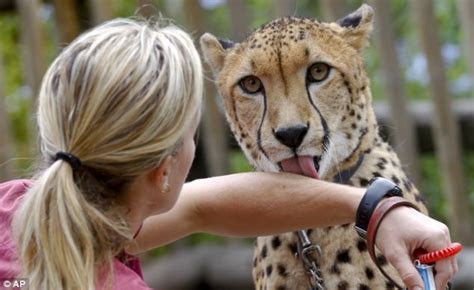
{"type": "Point", "coordinates": [295, 91]}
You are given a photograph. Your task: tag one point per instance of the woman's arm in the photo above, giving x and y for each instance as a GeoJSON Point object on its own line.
{"type": "Point", "coordinates": [250, 204]}
{"type": "Point", "coordinates": [257, 204]}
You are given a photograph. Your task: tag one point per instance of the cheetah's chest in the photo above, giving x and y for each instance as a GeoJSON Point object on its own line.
{"type": "Point", "coordinates": [343, 263]}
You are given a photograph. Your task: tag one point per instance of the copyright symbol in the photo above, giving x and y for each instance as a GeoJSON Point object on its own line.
{"type": "Point", "coordinates": [7, 284]}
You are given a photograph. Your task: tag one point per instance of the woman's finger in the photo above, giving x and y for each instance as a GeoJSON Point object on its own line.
{"type": "Point", "coordinates": [444, 272]}
{"type": "Point", "coordinates": [405, 268]}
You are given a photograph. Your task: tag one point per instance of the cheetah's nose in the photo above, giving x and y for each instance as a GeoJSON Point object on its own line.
{"type": "Point", "coordinates": [291, 136]}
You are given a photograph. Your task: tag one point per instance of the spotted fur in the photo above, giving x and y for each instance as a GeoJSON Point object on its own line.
{"type": "Point", "coordinates": [341, 127]}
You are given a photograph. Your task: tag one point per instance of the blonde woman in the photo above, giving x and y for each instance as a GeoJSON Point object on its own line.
{"type": "Point", "coordinates": [118, 109]}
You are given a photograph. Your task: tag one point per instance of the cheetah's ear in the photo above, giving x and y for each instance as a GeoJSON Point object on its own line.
{"type": "Point", "coordinates": [214, 50]}
{"type": "Point", "coordinates": [357, 26]}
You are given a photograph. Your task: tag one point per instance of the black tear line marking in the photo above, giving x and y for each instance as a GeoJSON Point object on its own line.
{"type": "Point", "coordinates": [259, 132]}
{"type": "Point", "coordinates": [323, 122]}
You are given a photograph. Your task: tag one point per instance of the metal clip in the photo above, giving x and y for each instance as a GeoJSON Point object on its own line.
{"type": "Point", "coordinates": [426, 273]}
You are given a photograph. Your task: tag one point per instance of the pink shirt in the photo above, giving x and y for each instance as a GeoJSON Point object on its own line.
{"type": "Point", "coordinates": [127, 271]}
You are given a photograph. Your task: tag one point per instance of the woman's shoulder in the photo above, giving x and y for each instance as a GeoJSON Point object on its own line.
{"type": "Point", "coordinates": [15, 183]}
{"type": "Point", "coordinates": [11, 193]}
{"type": "Point", "coordinates": [14, 188]}
{"type": "Point", "coordinates": [124, 278]}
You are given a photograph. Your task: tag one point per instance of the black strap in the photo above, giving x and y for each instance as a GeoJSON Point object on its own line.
{"type": "Point", "coordinates": [344, 176]}
{"type": "Point", "coordinates": [72, 160]}
{"type": "Point", "coordinates": [379, 188]}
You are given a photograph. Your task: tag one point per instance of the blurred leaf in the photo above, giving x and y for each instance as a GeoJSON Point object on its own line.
{"type": "Point", "coordinates": [238, 162]}
{"type": "Point", "coordinates": [432, 187]}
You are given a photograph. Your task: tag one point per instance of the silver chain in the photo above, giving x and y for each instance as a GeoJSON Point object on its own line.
{"type": "Point", "coordinates": [305, 250]}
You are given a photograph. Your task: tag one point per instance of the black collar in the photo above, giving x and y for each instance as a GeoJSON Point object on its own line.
{"type": "Point", "coordinates": [344, 176]}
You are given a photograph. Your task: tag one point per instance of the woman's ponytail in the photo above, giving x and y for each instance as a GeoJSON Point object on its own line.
{"type": "Point", "coordinates": [62, 235]}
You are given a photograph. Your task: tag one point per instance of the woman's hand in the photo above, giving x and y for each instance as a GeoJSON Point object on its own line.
{"type": "Point", "coordinates": [403, 231]}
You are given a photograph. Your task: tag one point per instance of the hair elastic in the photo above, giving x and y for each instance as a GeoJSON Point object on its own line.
{"type": "Point", "coordinates": [69, 158]}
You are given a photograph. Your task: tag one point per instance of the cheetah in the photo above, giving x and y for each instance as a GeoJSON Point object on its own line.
{"type": "Point", "coordinates": [297, 99]}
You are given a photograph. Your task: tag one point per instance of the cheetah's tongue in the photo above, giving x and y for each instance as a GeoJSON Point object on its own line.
{"type": "Point", "coordinates": [303, 165]}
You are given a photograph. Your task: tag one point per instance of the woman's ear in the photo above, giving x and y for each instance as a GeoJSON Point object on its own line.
{"type": "Point", "coordinates": [158, 176]}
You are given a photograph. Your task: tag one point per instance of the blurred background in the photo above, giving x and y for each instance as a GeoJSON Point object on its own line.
{"type": "Point", "coordinates": [421, 63]}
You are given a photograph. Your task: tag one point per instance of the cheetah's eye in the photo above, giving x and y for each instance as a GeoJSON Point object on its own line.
{"type": "Point", "coordinates": [251, 84]}
{"type": "Point", "coordinates": [318, 72]}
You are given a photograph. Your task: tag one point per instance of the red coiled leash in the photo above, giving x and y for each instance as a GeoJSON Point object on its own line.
{"type": "Point", "coordinates": [420, 255]}
{"type": "Point", "coordinates": [432, 257]}
{"type": "Point", "coordinates": [424, 263]}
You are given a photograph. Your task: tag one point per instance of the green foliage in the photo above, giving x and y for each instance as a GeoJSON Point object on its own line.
{"type": "Point", "coordinates": [128, 8]}
{"type": "Point", "coordinates": [218, 21]}
{"type": "Point", "coordinates": [448, 21]}
{"type": "Point", "coordinates": [449, 32]}
{"type": "Point", "coordinates": [17, 100]}
{"type": "Point", "coordinates": [238, 162]}
{"type": "Point", "coordinates": [10, 52]}
{"type": "Point", "coordinates": [161, 251]}
{"type": "Point", "coordinates": [124, 8]}
{"type": "Point", "coordinates": [432, 184]}
{"type": "Point", "coordinates": [261, 12]}
{"type": "Point", "coordinates": [431, 187]}
{"type": "Point", "coordinates": [199, 238]}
